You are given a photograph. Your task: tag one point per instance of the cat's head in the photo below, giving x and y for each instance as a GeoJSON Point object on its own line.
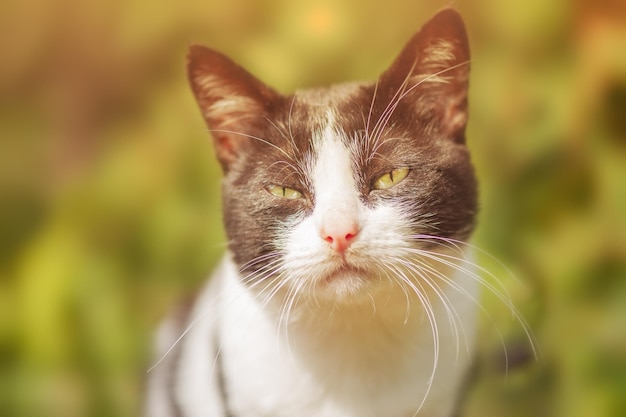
{"type": "Point", "coordinates": [332, 190]}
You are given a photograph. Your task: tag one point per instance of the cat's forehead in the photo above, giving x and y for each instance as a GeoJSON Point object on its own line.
{"type": "Point", "coordinates": [329, 97]}
{"type": "Point", "coordinates": [349, 113]}
{"type": "Point", "coordinates": [310, 112]}
{"type": "Point", "coordinates": [314, 109]}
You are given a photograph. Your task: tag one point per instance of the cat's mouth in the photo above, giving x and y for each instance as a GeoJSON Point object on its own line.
{"type": "Point", "coordinates": [344, 270]}
{"type": "Point", "coordinates": [345, 278]}
{"type": "Point", "coordinates": [344, 283]}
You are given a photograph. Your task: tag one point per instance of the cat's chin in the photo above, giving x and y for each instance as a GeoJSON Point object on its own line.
{"type": "Point", "coordinates": [345, 284]}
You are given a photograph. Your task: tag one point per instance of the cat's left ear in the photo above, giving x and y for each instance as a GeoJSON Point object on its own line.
{"type": "Point", "coordinates": [233, 102]}
{"type": "Point", "coordinates": [432, 72]}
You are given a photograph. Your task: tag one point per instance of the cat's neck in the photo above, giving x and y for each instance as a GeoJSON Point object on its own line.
{"type": "Point", "coordinates": [395, 314]}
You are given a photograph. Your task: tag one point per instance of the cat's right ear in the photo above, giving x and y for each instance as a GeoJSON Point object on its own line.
{"type": "Point", "coordinates": [432, 72]}
{"type": "Point", "coordinates": [232, 100]}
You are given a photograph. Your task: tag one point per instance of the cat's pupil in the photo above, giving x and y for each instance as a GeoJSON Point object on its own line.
{"type": "Point", "coordinates": [284, 192]}
{"type": "Point", "coordinates": [391, 178]}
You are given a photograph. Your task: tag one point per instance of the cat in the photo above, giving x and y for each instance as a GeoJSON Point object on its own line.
{"type": "Point", "coordinates": [348, 289]}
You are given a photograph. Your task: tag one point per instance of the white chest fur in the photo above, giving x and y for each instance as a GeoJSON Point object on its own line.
{"type": "Point", "coordinates": [367, 360]}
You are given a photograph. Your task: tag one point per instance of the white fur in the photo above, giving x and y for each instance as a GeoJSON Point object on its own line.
{"type": "Point", "coordinates": [194, 383]}
{"type": "Point", "coordinates": [348, 361]}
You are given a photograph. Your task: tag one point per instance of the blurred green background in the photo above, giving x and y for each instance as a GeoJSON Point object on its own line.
{"type": "Point", "coordinates": [109, 204]}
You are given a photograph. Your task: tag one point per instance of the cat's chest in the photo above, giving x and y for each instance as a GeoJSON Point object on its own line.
{"type": "Point", "coordinates": [364, 367]}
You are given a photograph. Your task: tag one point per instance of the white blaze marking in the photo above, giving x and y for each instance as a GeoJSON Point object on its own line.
{"type": "Point", "coordinates": [337, 202]}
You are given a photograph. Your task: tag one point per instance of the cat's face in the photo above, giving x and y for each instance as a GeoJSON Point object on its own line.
{"type": "Point", "coordinates": [332, 191]}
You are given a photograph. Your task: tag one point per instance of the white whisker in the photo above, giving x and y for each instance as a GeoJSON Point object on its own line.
{"type": "Point", "coordinates": [177, 341]}
{"type": "Point", "coordinates": [265, 141]}
{"type": "Point", "coordinates": [470, 270]}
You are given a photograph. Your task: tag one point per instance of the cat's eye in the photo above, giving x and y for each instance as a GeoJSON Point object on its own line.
{"type": "Point", "coordinates": [284, 192]}
{"type": "Point", "coordinates": [391, 178]}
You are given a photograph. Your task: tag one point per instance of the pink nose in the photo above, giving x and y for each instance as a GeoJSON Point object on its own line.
{"type": "Point", "coordinates": [339, 235]}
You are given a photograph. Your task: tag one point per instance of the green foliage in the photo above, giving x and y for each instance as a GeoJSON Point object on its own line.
{"type": "Point", "coordinates": [109, 192]}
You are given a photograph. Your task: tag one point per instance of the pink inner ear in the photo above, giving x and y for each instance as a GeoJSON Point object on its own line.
{"type": "Point", "coordinates": [455, 116]}
{"type": "Point", "coordinates": [224, 147]}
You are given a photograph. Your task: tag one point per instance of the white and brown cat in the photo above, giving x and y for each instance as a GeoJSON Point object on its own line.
{"type": "Point", "coordinates": [347, 289]}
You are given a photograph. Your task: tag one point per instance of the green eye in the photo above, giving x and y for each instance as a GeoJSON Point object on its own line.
{"type": "Point", "coordinates": [391, 178]}
{"type": "Point", "coordinates": [284, 192]}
